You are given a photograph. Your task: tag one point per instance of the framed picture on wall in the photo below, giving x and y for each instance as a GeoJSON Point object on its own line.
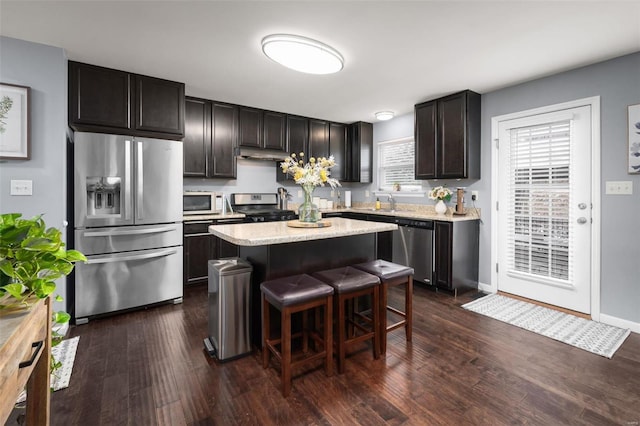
{"type": "Point", "coordinates": [15, 143]}
{"type": "Point", "coordinates": [634, 138]}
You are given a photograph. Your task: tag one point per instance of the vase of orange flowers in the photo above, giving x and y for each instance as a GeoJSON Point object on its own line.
{"type": "Point", "coordinates": [309, 175]}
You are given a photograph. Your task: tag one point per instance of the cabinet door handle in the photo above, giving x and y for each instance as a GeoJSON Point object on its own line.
{"type": "Point", "coordinates": [38, 346]}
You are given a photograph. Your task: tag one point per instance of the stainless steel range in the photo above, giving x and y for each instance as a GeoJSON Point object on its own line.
{"type": "Point", "coordinates": [260, 207]}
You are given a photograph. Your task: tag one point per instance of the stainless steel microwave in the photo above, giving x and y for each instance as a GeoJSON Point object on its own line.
{"type": "Point", "coordinates": [201, 202]}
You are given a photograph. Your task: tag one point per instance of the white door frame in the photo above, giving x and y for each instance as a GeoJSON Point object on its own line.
{"type": "Point", "coordinates": [594, 103]}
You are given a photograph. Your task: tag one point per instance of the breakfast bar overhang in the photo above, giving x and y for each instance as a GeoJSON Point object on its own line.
{"type": "Point", "coordinates": [277, 250]}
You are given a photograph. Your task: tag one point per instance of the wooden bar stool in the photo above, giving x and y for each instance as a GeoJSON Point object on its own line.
{"type": "Point", "coordinates": [392, 274]}
{"type": "Point", "coordinates": [350, 284]}
{"type": "Point", "coordinates": [298, 293]}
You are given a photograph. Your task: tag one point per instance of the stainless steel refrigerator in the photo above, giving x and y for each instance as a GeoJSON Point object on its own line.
{"type": "Point", "coordinates": [127, 221]}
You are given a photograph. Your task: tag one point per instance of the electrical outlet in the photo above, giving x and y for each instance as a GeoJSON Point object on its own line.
{"type": "Point", "coordinates": [21, 187]}
{"type": "Point", "coordinates": [333, 193]}
{"type": "Point", "coordinates": [623, 187]}
{"type": "Point", "coordinates": [366, 194]}
{"type": "Point", "coordinates": [299, 193]}
{"type": "Point", "coordinates": [474, 195]}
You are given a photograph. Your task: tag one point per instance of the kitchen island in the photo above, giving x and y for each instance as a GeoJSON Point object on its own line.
{"type": "Point", "coordinates": [276, 250]}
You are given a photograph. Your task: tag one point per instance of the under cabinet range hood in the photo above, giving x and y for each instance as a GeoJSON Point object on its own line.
{"type": "Point", "coordinates": [260, 154]}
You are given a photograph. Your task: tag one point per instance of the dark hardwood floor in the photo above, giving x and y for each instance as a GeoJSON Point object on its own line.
{"type": "Point", "coordinates": [148, 367]}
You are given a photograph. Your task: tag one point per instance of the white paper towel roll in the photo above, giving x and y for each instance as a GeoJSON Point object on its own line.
{"type": "Point", "coordinates": [347, 198]}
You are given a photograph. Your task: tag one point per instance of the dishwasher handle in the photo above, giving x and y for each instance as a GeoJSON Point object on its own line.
{"type": "Point", "coordinates": [413, 223]}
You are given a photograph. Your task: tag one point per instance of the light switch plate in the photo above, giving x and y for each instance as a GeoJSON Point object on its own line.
{"type": "Point", "coordinates": [622, 187]}
{"type": "Point", "coordinates": [21, 187]}
{"type": "Point", "coordinates": [300, 193]}
{"type": "Point", "coordinates": [366, 194]}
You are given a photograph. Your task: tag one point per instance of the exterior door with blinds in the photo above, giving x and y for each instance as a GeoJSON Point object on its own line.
{"type": "Point", "coordinates": [544, 208]}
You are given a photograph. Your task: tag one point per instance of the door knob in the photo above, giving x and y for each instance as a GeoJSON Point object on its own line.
{"type": "Point", "coordinates": [582, 220]}
{"type": "Point", "coordinates": [582, 206]}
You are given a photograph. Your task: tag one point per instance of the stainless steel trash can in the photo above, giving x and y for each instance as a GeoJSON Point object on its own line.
{"type": "Point", "coordinates": [229, 309]}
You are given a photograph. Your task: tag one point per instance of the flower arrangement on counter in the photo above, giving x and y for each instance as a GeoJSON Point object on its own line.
{"type": "Point", "coordinates": [440, 193]}
{"type": "Point", "coordinates": [315, 172]}
{"type": "Point", "coordinates": [309, 175]}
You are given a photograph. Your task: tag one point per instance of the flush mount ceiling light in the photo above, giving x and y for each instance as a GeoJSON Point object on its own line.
{"type": "Point", "coordinates": [384, 115]}
{"type": "Point", "coordinates": [302, 54]}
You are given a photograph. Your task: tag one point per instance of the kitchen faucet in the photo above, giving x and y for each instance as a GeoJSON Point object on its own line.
{"type": "Point", "coordinates": [392, 202]}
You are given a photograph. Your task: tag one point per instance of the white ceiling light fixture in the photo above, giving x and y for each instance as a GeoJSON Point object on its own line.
{"type": "Point", "coordinates": [384, 115]}
{"type": "Point", "coordinates": [302, 54]}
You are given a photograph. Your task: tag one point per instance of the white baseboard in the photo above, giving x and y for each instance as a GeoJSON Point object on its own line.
{"type": "Point", "coordinates": [619, 322]}
{"type": "Point", "coordinates": [487, 288]}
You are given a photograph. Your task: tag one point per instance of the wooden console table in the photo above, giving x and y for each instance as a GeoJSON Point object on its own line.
{"type": "Point", "coordinates": [25, 353]}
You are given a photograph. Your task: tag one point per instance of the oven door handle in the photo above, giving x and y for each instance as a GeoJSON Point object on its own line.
{"type": "Point", "coordinates": [152, 255]}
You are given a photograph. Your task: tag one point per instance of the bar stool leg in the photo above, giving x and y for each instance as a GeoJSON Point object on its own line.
{"type": "Point", "coordinates": [305, 332]}
{"type": "Point", "coordinates": [328, 335]}
{"type": "Point", "coordinates": [285, 346]}
{"type": "Point", "coordinates": [341, 334]}
{"type": "Point", "coordinates": [266, 352]}
{"type": "Point", "coordinates": [376, 322]}
{"type": "Point", "coordinates": [383, 317]}
{"type": "Point", "coordinates": [408, 303]}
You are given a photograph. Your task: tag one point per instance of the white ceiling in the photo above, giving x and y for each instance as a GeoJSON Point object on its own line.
{"type": "Point", "coordinates": [397, 53]}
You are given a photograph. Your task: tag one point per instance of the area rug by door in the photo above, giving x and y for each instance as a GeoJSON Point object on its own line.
{"type": "Point", "coordinates": [65, 352]}
{"type": "Point", "coordinates": [595, 337]}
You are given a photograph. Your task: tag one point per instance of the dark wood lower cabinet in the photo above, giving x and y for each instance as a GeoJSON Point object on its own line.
{"type": "Point", "coordinates": [199, 248]}
{"type": "Point", "coordinates": [456, 250]}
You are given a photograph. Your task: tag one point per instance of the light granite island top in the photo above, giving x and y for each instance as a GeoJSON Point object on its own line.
{"type": "Point", "coordinates": [269, 233]}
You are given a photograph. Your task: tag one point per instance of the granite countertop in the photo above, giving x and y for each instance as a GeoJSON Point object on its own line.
{"type": "Point", "coordinates": [414, 212]}
{"type": "Point", "coordinates": [262, 234]}
{"type": "Point", "coordinates": [409, 211]}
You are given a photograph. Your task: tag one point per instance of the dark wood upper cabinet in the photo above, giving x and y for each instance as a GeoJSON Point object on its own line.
{"type": "Point", "coordinates": [297, 134]}
{"type": "Point", "coordinates": [360, 152]}
{"type": "Point", "coordinates": [425, 139]}
{"type": "Point", "coordinates": [274, 130]}
{"type": "Point", "coordinates": [250, 127]}
{"type": "Point", "coordinates": [98, 97]}
{"type": "Point", "coordinates": [338, 148]}
{"type": "Point", "coordinates": [224, 131]}
{"type": "Point", "coordinates": [105, 100]}
{"type": "Point", "coordinates": [197, 137]}
{"type": "Point", "coordinates": [261, 129]}
{"type": "Point", "coordinates": [211, 132]}
{"type": "Point", "coordinates": [318, 138]}
{"type": "Point", "coordinates": [447, 137]}
{"type": "Point", "coordinates": [159, 106]}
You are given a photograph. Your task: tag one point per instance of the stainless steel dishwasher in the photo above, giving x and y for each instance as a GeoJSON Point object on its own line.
{"type": "Point", "coordinates": [413, 246]}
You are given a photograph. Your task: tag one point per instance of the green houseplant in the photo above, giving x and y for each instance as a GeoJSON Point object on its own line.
{"type": "Point", "coordinates": [32, 257]}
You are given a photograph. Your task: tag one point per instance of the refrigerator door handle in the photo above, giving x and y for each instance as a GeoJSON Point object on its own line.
{"type": "Point", "coordinates": [140, 182]}
{"type": "Point", "coordinates": [127, 178]}
{"type": "Point", "coordinates": [120, 232]}
{"type": "Point", "coordinates": [151, 255]}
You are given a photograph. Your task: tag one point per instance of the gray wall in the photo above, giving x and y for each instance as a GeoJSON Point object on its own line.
{"type": "Point", "coordinates": [44, 70]}
{"type": "Point", "coordinates": [617, 82]}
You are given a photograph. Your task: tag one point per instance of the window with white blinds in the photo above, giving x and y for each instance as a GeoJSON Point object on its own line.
{"type": "Point", "coordinates": [396, 165]}
{"type": "Point", "coordinates": [539, 234]}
